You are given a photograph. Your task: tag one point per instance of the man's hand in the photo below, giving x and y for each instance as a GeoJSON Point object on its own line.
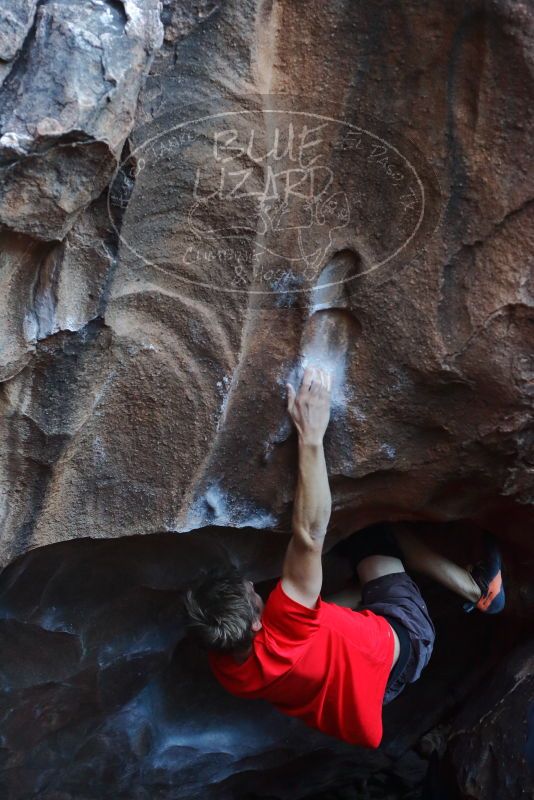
{"type": "Point", "coordinates": [310, 407]}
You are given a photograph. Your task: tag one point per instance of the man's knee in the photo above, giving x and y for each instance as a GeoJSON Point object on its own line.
{"type": "Point", "coordinates": [377, 566]}
{"type": "Point", "coordinates": [374, 540]}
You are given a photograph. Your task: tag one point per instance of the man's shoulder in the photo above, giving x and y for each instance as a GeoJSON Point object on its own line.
{"type": "Point", "coordinates": [279, 600]}
{"type": "Point", "coordinates": [284, 616]}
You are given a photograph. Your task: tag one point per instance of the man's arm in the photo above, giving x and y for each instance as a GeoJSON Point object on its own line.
{"type": "Point", "coordinates": [302, 574]}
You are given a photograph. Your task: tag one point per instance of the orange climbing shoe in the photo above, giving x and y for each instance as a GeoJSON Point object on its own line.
{"type": "Point", "coordinates": [487, 574]}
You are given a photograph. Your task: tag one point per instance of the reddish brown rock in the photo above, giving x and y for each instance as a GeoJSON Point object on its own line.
{"type": "Point", "coordinates": [207, 305]}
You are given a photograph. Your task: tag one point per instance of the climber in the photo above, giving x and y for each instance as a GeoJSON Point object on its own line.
{"type": "Point", "coordinates": [331, 666]}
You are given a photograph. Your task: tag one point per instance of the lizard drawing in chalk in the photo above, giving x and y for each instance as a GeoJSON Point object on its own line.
{"type": "Point", "coordinates": [315, 221]}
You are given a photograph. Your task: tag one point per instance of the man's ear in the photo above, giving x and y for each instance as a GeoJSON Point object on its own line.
{"type": "Point", "coordinates": [256, 625]}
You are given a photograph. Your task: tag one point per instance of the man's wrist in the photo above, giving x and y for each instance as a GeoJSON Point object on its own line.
{"type": "Point", "coordinates": [310, 442]}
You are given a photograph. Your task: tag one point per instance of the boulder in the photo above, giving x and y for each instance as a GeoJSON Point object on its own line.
{"type": "Point", "coordinates": [101, 696]}
{"type": "Point", "coordinates": [487, 745]}
{"type": "Point", "coordinates": [197, 199]}
{"type": "Point", "coordinates": [185, 228]}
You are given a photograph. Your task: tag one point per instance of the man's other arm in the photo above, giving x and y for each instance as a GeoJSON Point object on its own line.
{"type": "Point", "coordinates": [302, 574]}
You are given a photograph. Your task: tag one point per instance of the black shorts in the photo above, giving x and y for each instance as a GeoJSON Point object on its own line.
{"type": "Point", "coordinates": [397, 597]}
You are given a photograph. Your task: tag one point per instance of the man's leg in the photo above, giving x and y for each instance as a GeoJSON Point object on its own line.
{"type": "Point", "coordinates": [388, 591]}
{"type": "Point", "coordinates": [369, 568]}
{"type": "Point", "coordinates": [375, 566]}
{"type": "Point", "coordinates": [372, 553]}
{"type": "Point", "coordinates": [419, 557]}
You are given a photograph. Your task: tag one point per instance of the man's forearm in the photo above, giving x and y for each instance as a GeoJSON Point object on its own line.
{"type": "Point", "coordinates": [313, 502]}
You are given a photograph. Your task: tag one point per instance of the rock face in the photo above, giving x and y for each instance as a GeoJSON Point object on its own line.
{"type": "Point", "coordinates": [196, 199]}
{"type": "Point", "coordinates": [362, 198]}
{"type": "Point", "coordinates": [493, 728]}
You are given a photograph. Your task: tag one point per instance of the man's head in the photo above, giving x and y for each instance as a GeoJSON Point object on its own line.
{"type": "Point", "coordinates": [223, 610]}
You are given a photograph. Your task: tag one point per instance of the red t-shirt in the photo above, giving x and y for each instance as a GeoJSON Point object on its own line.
{"type": "Point", "coordinates": [327, 665]}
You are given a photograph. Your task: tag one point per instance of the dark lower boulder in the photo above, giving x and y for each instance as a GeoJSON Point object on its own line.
{"type": "Point", "coordinates": [487, 745]}
{"type": "Point", "coordinates": [102, 697]}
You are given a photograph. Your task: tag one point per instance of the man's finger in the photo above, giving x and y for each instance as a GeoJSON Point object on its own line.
{"type": "Point", "coordinates": [290, 396]}
{"type": "Point", "coordinates": [324, 376]}
{"type": "Point", "coordinates": [307, 379]}
{"type": "Point", "coordinates": [315, 388]}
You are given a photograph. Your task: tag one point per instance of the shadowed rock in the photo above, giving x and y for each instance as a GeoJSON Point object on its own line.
{"type": "Point", "coordinates": [100, 693]}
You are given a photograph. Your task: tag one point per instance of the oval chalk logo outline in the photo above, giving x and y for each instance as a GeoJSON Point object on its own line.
{"type": "Point", "coordinates": [291, 113]}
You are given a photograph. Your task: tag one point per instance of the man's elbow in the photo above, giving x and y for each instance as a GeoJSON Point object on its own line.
{"type": "Point", "coordinates": [310, 539]}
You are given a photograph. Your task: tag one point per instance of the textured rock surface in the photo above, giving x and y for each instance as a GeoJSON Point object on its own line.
{"type": "Point", "coordinates": [67, 103]}
{"type": "Point", "coordinates": [151, 312]}
{"type": "Point", "coordinates": [135, 401]}
{"type": "Point", "coordinates": [492, 730]}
